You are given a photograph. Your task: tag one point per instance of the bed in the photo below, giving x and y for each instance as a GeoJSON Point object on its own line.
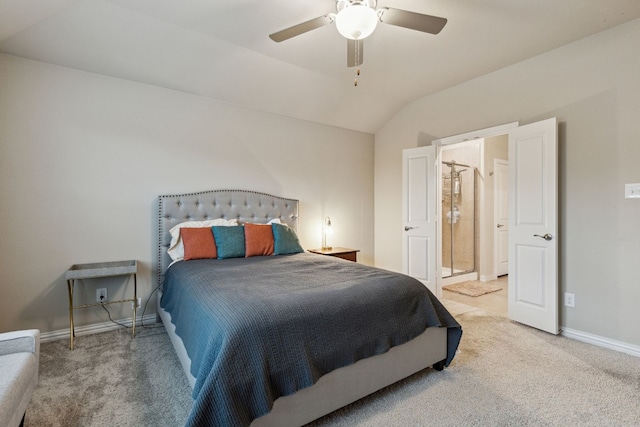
{"type": "Point", "coordinates": [259, 340]}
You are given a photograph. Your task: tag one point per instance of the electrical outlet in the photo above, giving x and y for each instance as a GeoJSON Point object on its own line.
{"type": "Point", "coordinates": [632, 191]}
{"type": "Point", "coordinates": [101, 295]}
{"type": "Point", "coordinates": [569, 299]}
{"type": "Point", "coordinates": [139, 303]}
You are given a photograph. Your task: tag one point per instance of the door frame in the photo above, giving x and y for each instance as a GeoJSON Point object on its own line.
{"type": "Point", "coordinates": [496, 235]}
{"type": "Point", "coordinates": [450, 140]}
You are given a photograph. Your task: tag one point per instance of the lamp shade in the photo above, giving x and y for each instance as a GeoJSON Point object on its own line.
{"type": "Point", "coordinates": [356, 22]}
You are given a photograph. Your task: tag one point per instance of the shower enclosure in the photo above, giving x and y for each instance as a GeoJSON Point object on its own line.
{"type": "Point", "coordinates": [458, 219]}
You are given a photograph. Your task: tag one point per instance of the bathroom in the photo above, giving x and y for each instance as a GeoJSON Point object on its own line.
{"type": "Point", "coordinates": [459, 171]}
{"type": "Point", "coordinates": [471, 247]}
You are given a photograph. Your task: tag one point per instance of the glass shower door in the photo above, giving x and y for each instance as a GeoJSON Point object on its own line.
{"type": "Point", "coordinates": [458, 219]}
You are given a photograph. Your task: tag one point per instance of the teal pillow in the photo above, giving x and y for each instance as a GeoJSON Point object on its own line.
{"type": "Point", "coordinates": [285, 240]}
{"type": "Point", "coordinates": [229, 241]}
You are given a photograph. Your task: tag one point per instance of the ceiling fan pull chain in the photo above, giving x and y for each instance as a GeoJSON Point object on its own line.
{"type": "Point", "coordinates": [357, 60]}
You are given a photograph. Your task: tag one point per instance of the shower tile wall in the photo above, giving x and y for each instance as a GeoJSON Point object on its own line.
{"type": "Point", "coordinates": [464, 231]}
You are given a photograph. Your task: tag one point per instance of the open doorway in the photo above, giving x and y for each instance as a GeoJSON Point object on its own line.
{"type": "Point", "coordinates": [474, 222]}
{"type": "Point", "coordinates": [533, 218]}
{"type": "Point", "coordinates": [459, 166]}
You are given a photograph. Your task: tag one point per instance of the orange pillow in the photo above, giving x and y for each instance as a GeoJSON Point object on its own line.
{"type": "Point", "coordinates": [258, 239]}
{"type": "Point", "coordinates": [198, 243]}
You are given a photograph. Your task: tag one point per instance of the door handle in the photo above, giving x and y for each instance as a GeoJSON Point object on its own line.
{"type": "Point", "coordinates": [500, 225]}
{"type": "Point", "coordinates": [546, 237]}
{"type": "Point", "coordinates": [407, 228]}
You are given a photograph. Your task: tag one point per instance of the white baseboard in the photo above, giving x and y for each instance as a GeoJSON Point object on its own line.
{"type": "Point", "coordinates": [620, 346]}
{"type": "Point", "coordinates": [484, 278]}
{"type": "Point", "coordinates": [95, 328]}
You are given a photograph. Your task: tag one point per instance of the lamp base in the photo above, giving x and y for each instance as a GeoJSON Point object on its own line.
{"type": "Point", "coordinates": [326, 248]}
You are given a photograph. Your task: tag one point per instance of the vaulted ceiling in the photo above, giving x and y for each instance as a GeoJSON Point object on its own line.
{"type": "Point", "coordinates": [221, 49]}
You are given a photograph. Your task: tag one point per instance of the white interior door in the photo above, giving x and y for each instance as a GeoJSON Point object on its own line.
{"type": "Point", "coordinates": [501, 216]}
{"type": "Point", "coordinates": [419, 215]}
{"type": "Point", "coordinates": [533, 225]}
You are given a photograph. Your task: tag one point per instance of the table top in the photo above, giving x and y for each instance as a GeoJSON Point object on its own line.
{"type": "Point", "coordinates": [102, 269]}
{"type": "Point", "coordinates": [333, 250]}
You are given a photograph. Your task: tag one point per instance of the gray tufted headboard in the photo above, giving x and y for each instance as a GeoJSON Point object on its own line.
{"type": "Point", "coordinates": [246, 206]}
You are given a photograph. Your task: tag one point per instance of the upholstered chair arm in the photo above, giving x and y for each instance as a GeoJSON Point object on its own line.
{"type": "Point", "coordinates": [25, 341]}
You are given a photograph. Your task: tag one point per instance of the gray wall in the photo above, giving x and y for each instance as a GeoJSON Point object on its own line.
{"type": "Point", "coordinates": [83, 158]}
{"type": "Point", "coordinates": [592, 86]}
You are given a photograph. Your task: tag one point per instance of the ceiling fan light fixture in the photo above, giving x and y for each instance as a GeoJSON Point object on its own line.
{"type": "Point", "coordinates": [356, 21]}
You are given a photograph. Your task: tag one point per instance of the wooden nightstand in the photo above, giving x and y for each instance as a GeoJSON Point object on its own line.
{"type": "Point", "coordinates": [344, 253]}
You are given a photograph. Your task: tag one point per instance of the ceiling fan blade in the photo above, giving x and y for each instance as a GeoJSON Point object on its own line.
{"type": "Point", "coordinates": [354, 56]}
{"type": "Point", "coordinates": [296, 30]}
{"type": "Point", "coordinates": [414, 21]}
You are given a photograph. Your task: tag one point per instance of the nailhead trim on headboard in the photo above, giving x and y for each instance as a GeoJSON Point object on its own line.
{"type": "Point", "coordinates": [245, 206]}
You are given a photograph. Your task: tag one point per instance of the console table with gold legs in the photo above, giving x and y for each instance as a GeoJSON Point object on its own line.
{"type": "Point", "coordinates": [97, 270]}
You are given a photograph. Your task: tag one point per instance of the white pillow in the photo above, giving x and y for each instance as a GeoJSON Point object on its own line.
{"type": "Point", "coordinates": [176, 248]}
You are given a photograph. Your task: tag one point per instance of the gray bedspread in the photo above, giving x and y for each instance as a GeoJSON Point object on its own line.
{"type": "Point", "coordinates": [263, 327]}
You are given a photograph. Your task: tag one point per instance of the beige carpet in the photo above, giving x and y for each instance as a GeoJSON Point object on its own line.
{"type": "Point", "coordinates": [504, 374]}
{"type": "Point", "coordinates": [472, 288]}
{"type": "Point", "coordinates": [110, 380]}
{"type": "Point", "coordinates": [507, 374]}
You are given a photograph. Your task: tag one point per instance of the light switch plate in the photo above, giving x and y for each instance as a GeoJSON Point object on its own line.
{"type": "Point", "coordinates": [632, 191]}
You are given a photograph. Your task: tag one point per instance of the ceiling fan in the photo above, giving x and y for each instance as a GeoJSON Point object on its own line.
{"type": "Point", "coordinates": [357, 19]}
